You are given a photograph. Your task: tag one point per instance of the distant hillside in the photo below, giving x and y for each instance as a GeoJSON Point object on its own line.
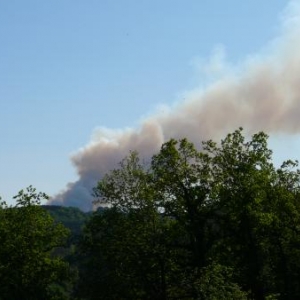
{"type": "Point", "coordinates": [71, 217]}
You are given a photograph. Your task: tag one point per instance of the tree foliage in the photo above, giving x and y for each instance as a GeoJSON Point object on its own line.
{"type": "Point", "coordinates": [28, 236]}
{"type": "Point", "coordinates": [219, 223]}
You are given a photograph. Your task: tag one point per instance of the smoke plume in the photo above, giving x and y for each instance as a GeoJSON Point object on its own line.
{"type": "Point", "coordinates": [263, 93]}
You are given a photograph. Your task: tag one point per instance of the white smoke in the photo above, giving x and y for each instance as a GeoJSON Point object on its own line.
{"type": "Point", "coordinates": [263, 93]}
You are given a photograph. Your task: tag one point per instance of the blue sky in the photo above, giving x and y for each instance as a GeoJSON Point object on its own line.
{"type": "Point", "coordinates": [67, 67]}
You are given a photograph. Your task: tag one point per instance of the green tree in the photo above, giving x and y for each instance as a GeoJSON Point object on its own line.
{"type": "Point", "coordinates": [128, 245]}
{"type": "Point", "coordinates": [257, 212]}
{"type": "Point", "coordinates": [154, 237]}
{"type": "Point", "coordinates": [28, 236]}
{"type": "Point", "coordinates": [182, 185]}
{"type": "Point", "coordinates": [218, 223]}
{"type": "Point", "coordinates": [216, 283]}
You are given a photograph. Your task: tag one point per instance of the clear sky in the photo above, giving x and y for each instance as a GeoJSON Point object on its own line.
{"type": "Point", "coordinates": [69, 66]}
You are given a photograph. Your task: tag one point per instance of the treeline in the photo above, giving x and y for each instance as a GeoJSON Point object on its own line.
{"type": "Point", "coordinates": [220, 223]}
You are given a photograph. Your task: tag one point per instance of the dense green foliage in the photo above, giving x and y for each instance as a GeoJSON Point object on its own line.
{"type": "Point", "coordinates": [219, 223]}
{"type": "Point", "coordinates": [28, 235]}
{"type": "Point", "coordinates": [71, 217]}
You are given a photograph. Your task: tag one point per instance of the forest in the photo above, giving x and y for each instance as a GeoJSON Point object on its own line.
{"type": "Point", "coordinates": [220, 222]}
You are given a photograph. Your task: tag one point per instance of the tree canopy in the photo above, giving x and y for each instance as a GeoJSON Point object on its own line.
{"type": "Point", "coordinates": [217, 223]}
{"type": "Point", "coordinates": [28, 237]}
{"type": "Point", "coordinates": [220, 222]}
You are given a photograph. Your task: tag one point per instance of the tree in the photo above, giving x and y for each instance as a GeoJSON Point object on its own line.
{"type": "Point", "coordinates": [193, 223]}
{"type": "Point", "coordinates": [28, 236]}
{"type": "Point", "coordinates": [258, 215]}
{"type": "Point", "coordinates": [127, 247]}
